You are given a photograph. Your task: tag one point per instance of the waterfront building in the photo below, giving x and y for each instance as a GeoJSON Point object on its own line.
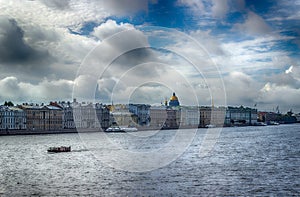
{"type": "Point", "coordinates": [241, 116]}
{"type": "Point", "coordinates": [158, 116]}
{"type": "Point", "coordinates": [103, 115]}
{"type": "Point", "coordinates": [173, 118]}
{"type": "Point", "coordinates": [43, 118]}
{"type": "Point", "coordinates": [214, 116]}
{"type": "Point", "coordinates": [122, 118]}
{"type": "Point", "coordinates": [166, 116]}
{"type": "Point", "coordinates": [12, 118]}
{"type": "Point", "coordinates": [89, 115]}
{"type": "Point", "coordinates": [268, 117]}
{"type": "Point", "coordinates": [85, 116]}
{"type": "Point", "coordinates": [141, 114]}
{"type": "Point", "coordinates": [173, 113]}
{"type": "Point", "coordinates": [190, 116]}
{"type": "Point", "coordinates": [68, 116]}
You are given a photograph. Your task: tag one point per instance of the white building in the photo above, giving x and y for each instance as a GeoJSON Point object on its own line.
{"type": "Point", "coordinates": [190, 116]}
{"type": "Point", "coordinates": [68, 117]}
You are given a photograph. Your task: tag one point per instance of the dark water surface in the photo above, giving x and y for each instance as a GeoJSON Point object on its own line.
{"type": "Point", "coordinates": [244, 161]}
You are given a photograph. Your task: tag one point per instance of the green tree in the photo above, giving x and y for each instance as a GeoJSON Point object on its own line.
{"type": "Point", "coordinates": [9, 103]}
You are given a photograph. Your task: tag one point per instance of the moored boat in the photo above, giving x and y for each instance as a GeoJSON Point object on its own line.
{"type": "Point", "coordinates": [114, 129]}
{"type": "Point", "coordinates": [59, 149]}
{"type": "Point", "coordinates": [210, 126]}
{"type": "Point", "coordinates": [129, 129]}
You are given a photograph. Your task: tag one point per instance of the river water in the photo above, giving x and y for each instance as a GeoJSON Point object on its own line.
{"type": "Point", "coordinates": [244, 161]}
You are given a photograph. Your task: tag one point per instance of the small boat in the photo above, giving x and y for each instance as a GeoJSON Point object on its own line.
{"type": "Point", "coordinates": [129, 129]}
{"type": "Point", "coordinates": [114, 129]}
{"type": "Point", "coordinates": [273, 123]}
{"type": "Point", "coordinates": [59, 149]}
{"type": "Point", "coordinates": [260, 124]}
{"type": "Point", "coordinates": [210, 126]}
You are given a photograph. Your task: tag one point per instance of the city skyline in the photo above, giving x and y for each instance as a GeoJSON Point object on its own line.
{"type": "Point", "coordinates": [249, 51]}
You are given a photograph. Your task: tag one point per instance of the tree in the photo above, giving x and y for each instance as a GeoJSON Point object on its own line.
{"type": "Point", "coordinates": [9, 103]}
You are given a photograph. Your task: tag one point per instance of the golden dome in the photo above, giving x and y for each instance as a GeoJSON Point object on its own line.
{"type": "Point", "coordinates": [174, 98]}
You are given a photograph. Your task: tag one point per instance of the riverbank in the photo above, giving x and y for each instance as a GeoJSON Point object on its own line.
{"type": "Point", "coordinates": [92, 130]}
{"type": "Point", "coordinates": [30, 132]}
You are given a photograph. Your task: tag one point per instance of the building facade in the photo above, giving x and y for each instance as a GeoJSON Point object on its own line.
{"type": "Point", "coordinates": [158, 116]}
{"type": "Point", "coordinates": [103, 115]}
{"type": "Point", "coordinates": [141, 114]}
{"type": "Point", "coordinates": [212, 116]}
{"type": "Point", "coordinates": [173, 118]}
{"type": "Point", "coordinates": [190, 116]}
{"type": "Point", "coordinates": [68, 116]}
{"type": "Point", "coordinates": [241, 116]}
{"type": "Point", "coordinates": [12, 118]}
{"type": "Point", "coordinates": [43, 118]}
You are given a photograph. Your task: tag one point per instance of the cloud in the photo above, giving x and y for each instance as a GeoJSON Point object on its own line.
{"type": "Point", "coordinates": [196, 5]}
{"type": "Point", "coordinates": [288, 78]}
{"type": "Point", "coordinates": [109, 28]}
{"type": "Point", "coordinates": [254, 25]}
{"type": "Point", "coordinates": [220, 8]}
{"type": "Point", "coordinates": [50, 14]}
{"type": "Point", "coordinates": [126, 7]}
{"type": "Point", "coordinates": [17, 91]}
{"type": "Point", "coordinates": [240, 89]}
{"type": "Point", "coordinates": [209, 42]}
{"type": "Point", "coordinates": [57, 4]}
{"type": "Point", "coordinates": [44, 52]}
{"type": "Point", "coordinates": [13, 48]}
{"type": "Point", "coordinates": [271, 95]}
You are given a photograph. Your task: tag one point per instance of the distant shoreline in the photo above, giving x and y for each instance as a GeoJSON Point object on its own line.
{"type": "Point", "coordinates": [66, 131]}
{"type": "Point", "coordinates": [27, 132]}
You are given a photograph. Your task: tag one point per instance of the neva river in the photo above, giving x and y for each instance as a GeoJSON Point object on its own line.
{"type": "Point", "coordinates": [247, 161]}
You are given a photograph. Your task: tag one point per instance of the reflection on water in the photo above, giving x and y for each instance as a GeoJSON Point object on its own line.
{"type": "Point", "coordinates": [244, 161]}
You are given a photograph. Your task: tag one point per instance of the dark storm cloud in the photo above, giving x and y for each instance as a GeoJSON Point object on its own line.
{"type": "Point", "coordinates": [13, 48]}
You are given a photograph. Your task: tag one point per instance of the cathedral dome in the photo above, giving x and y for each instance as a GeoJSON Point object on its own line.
{"type": "Point", "coordinates": [173, 101]}
{"type": "Point", "coordinates": [174, 97]}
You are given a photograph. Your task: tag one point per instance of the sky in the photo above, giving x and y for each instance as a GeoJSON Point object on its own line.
{"type": "Point", "coordinates": [225, 52]}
